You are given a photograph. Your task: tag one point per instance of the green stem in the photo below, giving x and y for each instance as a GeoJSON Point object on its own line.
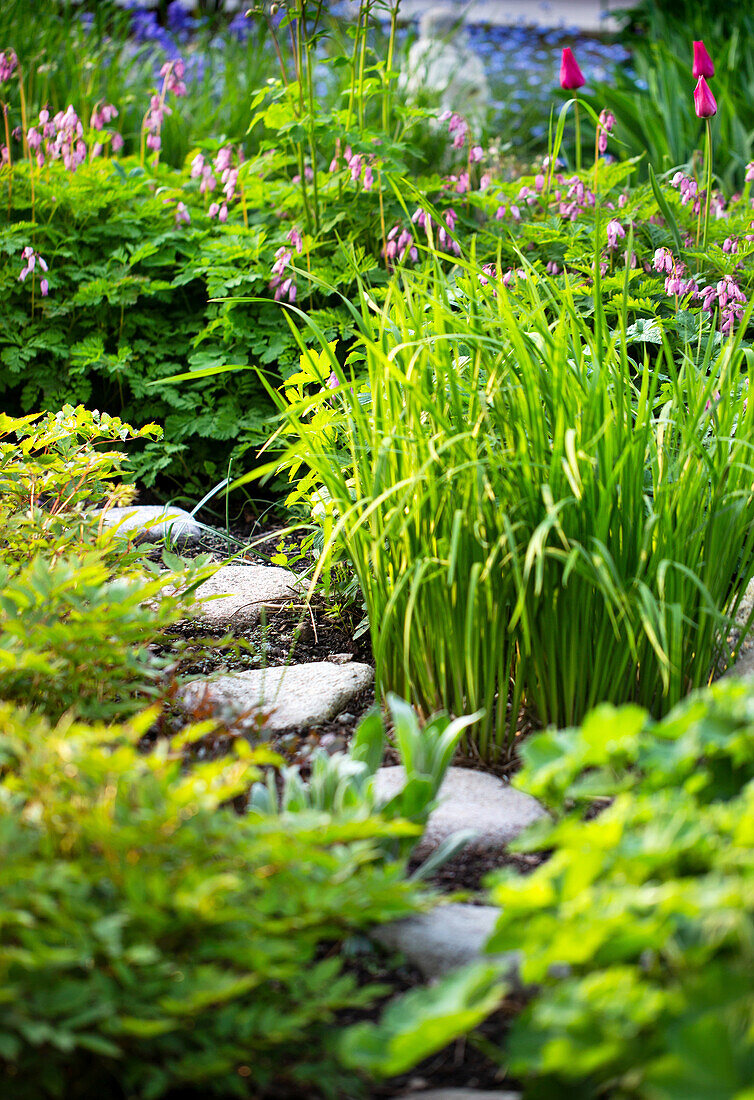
{"type": "Point", "coordinates": [708, 189]}
{"type": "Point", "coordinates": [354, 56]}
{"type": "Point", "coordinates": [596, 160]}
{"type": "Point", "coordinates": [10, 159]}
{"type": "Point", "coordinates": [296, 47]}
{"type": "Point", "coordinates": [362, 63]}
{"type": "Point", "coordinates": [578, 131]}
{"type": "Point", "coordinates": [276, 44]}
{"type": "Point", "coordinates": [389, 65]}
{"type": "Point", "coordinates": [312, 143]}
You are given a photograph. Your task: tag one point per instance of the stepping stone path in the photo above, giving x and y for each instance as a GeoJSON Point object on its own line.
{"type": "Point", "coordinates": [234, 596]}
{"type": "Point", "coordinates": [469, 800]}
{"type": "Point", "coordinates": [452, 935]}
{"type": "Point", "coordinates": [303, 695]}
{"type": "Point", "coordinates": [447, 937]}
{"type": "Point", "coordinates": [744, 665]}
{"type": "Point", "coordinates": [459, 1094]}
{"type": "Point", "coordinates": [285, 696]}
{"type": "Point", "coordinates": [294, 695]}
{"type": "Point", "coordinates": [153, 523]}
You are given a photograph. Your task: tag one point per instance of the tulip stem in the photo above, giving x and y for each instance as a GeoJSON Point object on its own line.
{"type": "Point", "coordinates": [596, 159]}
{"type": "Point", "coordinates": [708, 188]}
{"type": "Point", "coordinates": [578, 131]}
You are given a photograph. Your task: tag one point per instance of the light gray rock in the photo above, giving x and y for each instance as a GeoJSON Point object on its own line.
{"type": "Point", "coordinates": [447, 937]}
{"type": "Point", "coordinates": [235, 595]}
{"type": "Point", "coordinates": [593, 16]}
{"type": "Point", "coordinates": [744, 664]}
{"type": "Point", "coordinates": [459, 1094]}
{"type": "Point", "coordinates": [153, 523]}
{"type": "Point", "coordinates": [295, 695]}
{"type": "Point", "coordinates": [468, 800]}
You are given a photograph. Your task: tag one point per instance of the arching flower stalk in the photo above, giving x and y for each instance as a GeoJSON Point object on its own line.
{"type": "Point", "coordinates": [172, 73]}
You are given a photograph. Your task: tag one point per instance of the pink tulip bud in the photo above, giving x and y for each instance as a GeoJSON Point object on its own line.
{"type": "Point", "coordinates": [704, 101]}
{"type": "Point", "coordinates": [703, 65]}
{"type": "Point", "coordinates": [571, 76]}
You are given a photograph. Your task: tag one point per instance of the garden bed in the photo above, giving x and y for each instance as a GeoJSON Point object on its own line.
{"type": "Point", "coordinates": [501, 388]}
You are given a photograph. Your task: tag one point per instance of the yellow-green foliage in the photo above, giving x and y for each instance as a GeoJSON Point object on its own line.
{"type": "Point", "coordinates": [153, 939]}
{"type": "Point", "coordinates": [78, 606]}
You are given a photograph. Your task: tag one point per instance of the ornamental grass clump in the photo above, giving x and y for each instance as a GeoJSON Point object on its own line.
{"type": "Point", "coordinates": [534, 515]}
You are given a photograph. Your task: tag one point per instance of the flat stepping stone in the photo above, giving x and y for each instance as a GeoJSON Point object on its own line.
{"type": "Point", "coordinates": [459, 1094]}
{"type": "Point", "coordinates": [744, 664]}
{"type": "Point", "coordinates": [586, 15]}
{"type": "Point", "coordinates": [447, 937]}
{"type": "Point", "coordinates": [152, 523]}
{"type": "Point", "coordinates": [468, 800]}
{"type": "Point", "coordinates": [235, 595]}
{"type": "Point", "coordinates": [291, 696]}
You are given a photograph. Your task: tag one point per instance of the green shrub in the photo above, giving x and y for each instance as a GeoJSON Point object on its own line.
{"type": "Point", "coordinates": [73, 635]}
{"type": "Point", "coordinates": [634, 939]}
{"type": "Point", "coordinates": [79, 609]}
{"type": "Point", "coordinates": [55, 475]}
{"type": "Point", "coordinates": [637, 933]}
{"type": "Point", "coordinates": [132, 302]}
{"type": "Point", "coordinates": [153, 940]}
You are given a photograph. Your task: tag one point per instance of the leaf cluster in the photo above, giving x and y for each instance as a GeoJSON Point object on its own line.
{"type": "Point", "coordinates": [80, 610]}
{"type": "Point", "coordinates": [636, 935]}
{"type": "Point", "coordinates": [154, 942]}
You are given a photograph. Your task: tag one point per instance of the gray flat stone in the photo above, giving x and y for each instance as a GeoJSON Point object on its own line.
{"type": "Point", "coordinates": [744, 664]}
{"type": "Point", "coordinates": [469, 800]}
{"type": "Point", "coordinates": [459, 1094]}
{"type": "Point", "coordinates": [240, 592]}
{"type": "Point", "coordinates": [586, 15]}
{"type": "Point", "coordinates": [447, 937]}
{"type": "Point", "coordinates": [295, 695]}
{"type": "Point", "coordinates": [153, 523]}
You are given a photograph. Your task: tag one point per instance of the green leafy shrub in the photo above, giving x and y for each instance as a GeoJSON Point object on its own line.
{"type": "Point", "coordinates": [634, 939]}
{"type": "Point", "coordinates": [132, 302]}
{"type": "Point", "coordinates": [55, 475]}
{"type": "Point", "coordinates": [73, 635]}
{"type": "Point", "coordinates": [153, 940]}
{"type": "Point", "coordinates": [79, 608]}
{"type": "Point", "coordinates": [637, 933]}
